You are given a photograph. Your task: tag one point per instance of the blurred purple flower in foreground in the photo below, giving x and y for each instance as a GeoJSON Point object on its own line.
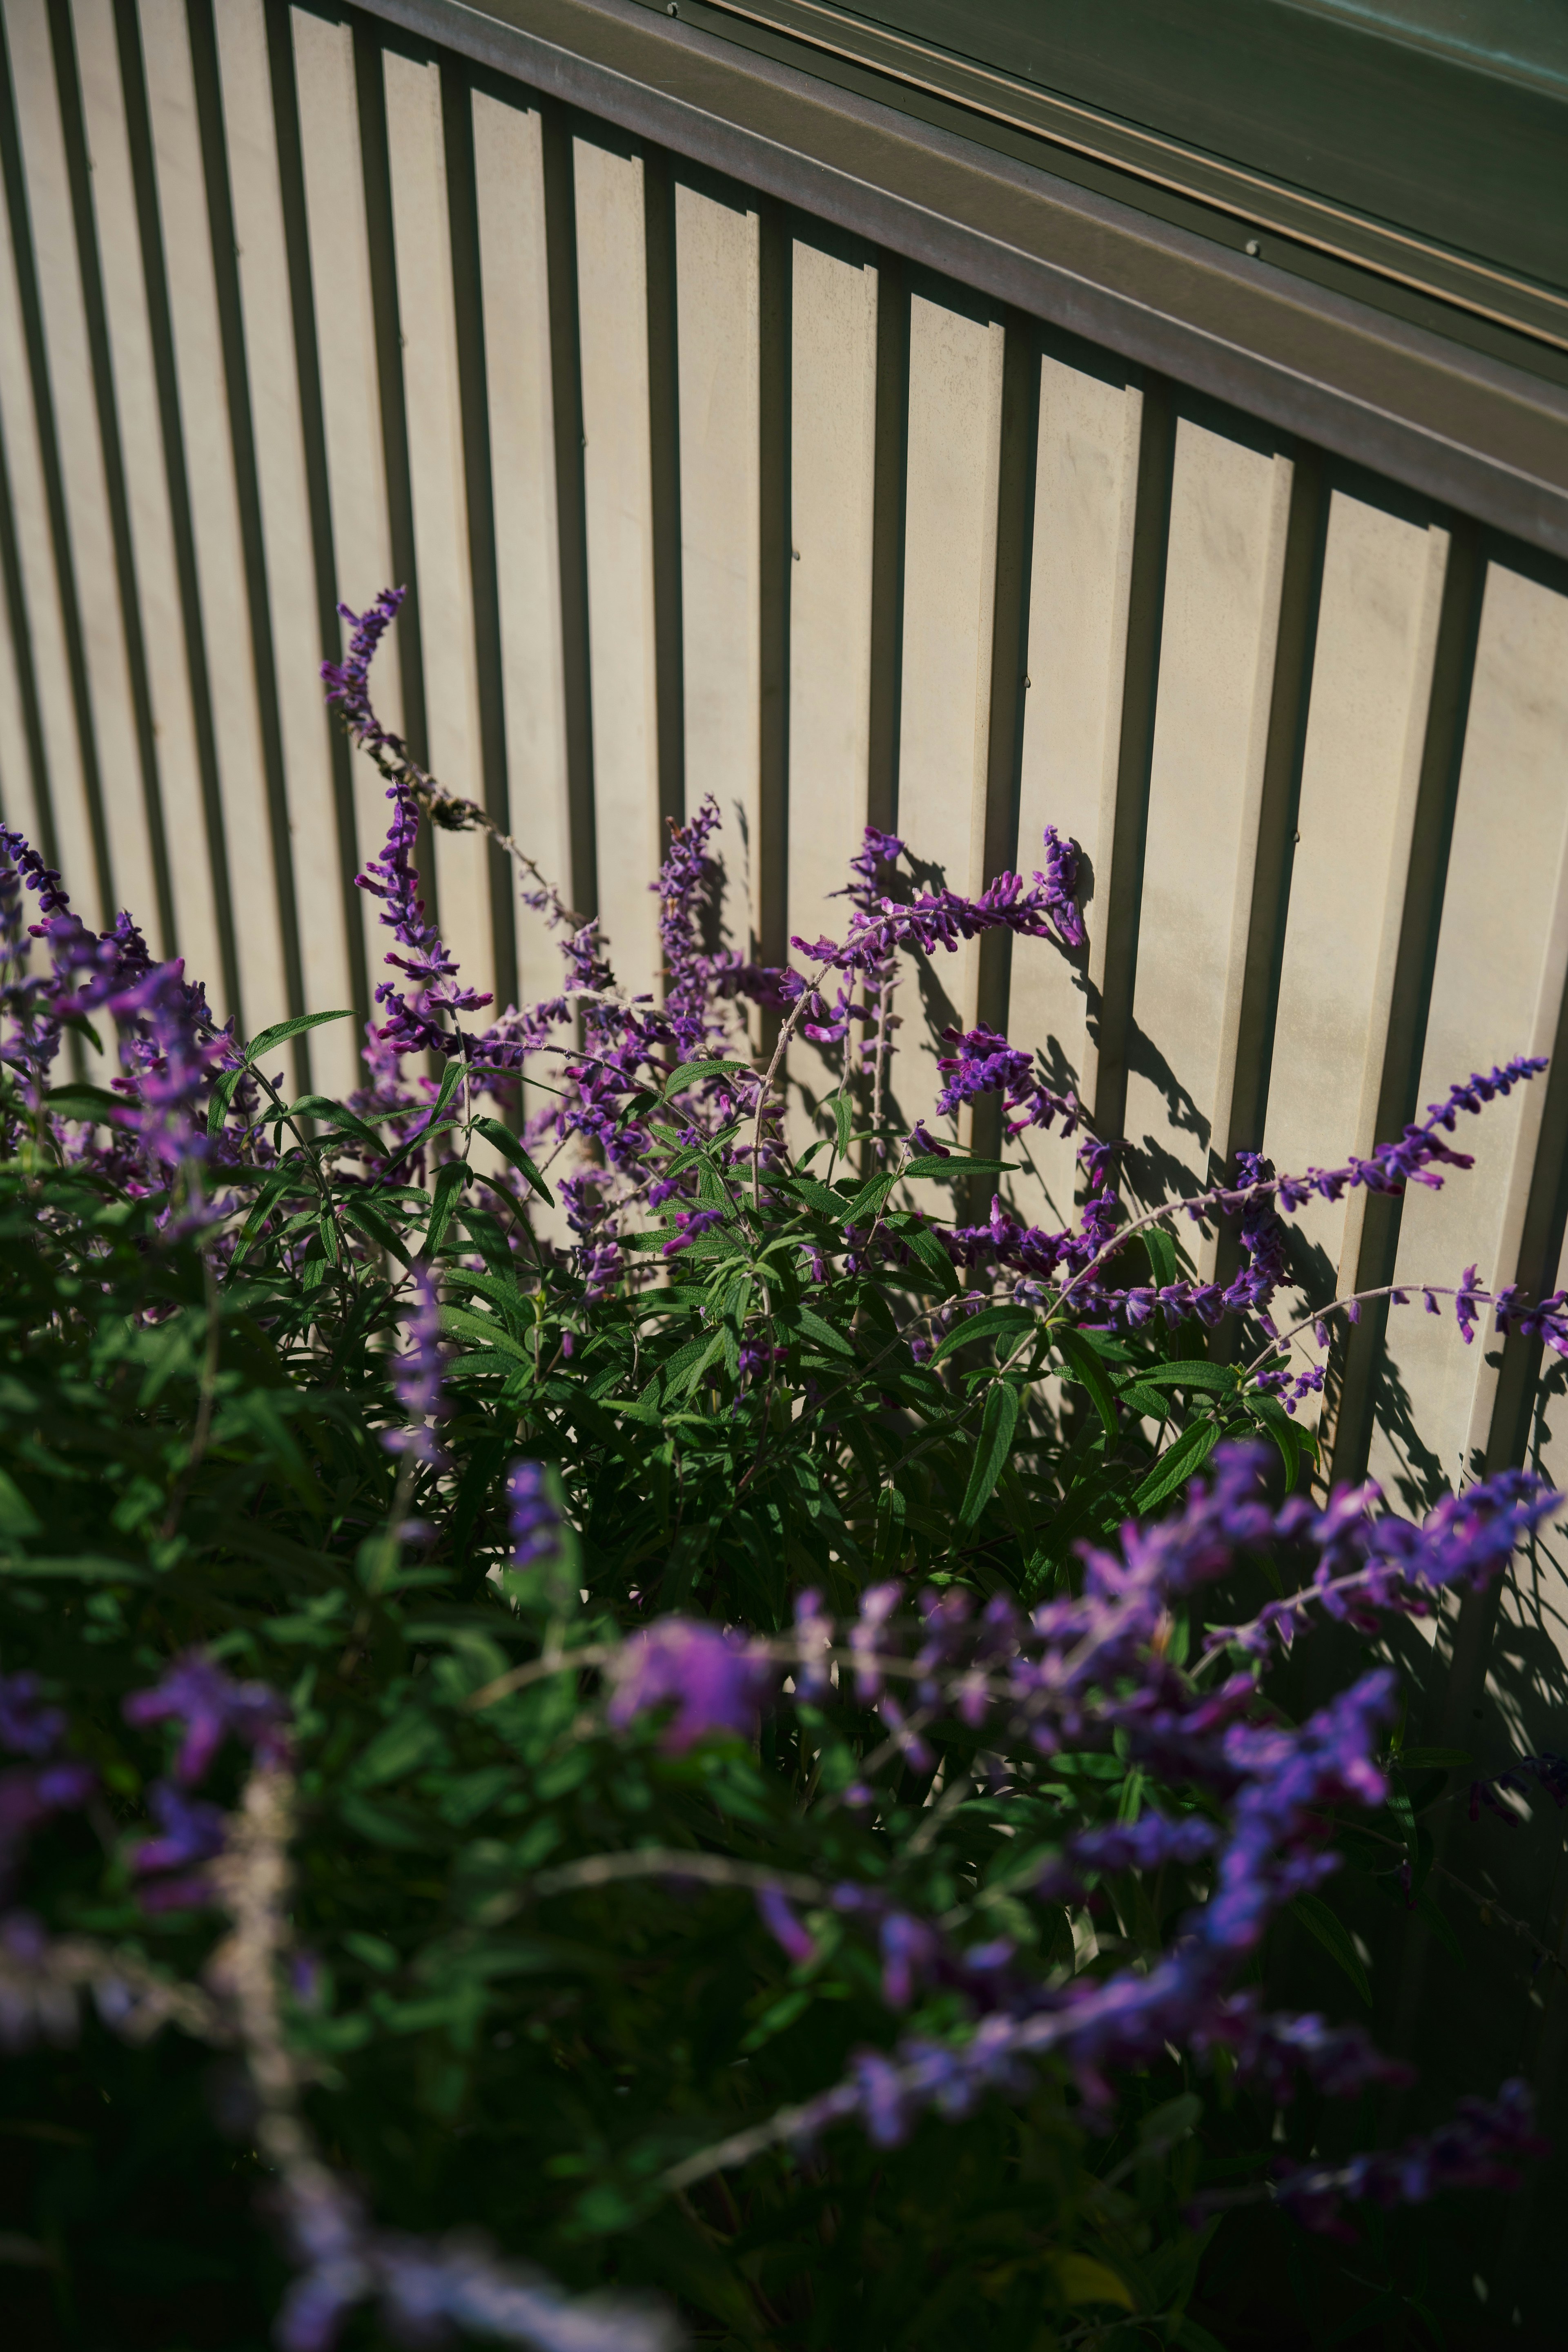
{"type": "Point", "coordinates": [212, 1707]}
{"type": "Point", "coordinates": [713, 1677]}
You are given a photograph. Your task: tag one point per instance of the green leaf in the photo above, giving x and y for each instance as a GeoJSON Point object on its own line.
{"type": "Point", "coordinates": [823, 1333]}
{"type": "Point", "coordinates": [1334, 1936]}
{"type": "Point", "coordinates": [1191, 1373]}
{"type": "Point", "coordinates": [486, 1327]}
{"type": "Point", "coordinates": [978, 1326]}
{"type": "Point", "coordinates": [1086, 1367]}
{"type": "Point", "coordinates": [449, 1181]}
{"type": "Point", "coordinates": [1161, 1252]}
{"type": "Point", "coordinates": [691, 1073]}
{"type": "Point", "coordinates": [1282, 1429]}
{"type": "Point", "coordinates": [508, 1145]}
{"type": "Point", "coordinates": [1434, 1759]}
{"type": "Point", "coordinates": [843, 1121]}
{"type": "Point", "coordinates": [326, 1113]}
{"type": "Point", "coordinates": [997, 1423]}
{"type": "Point", "coordinates": [1080, 2279]}
{"type": "Point", "coordinates": [1177, 1464]}
{"type": "Point", "coordinates": [95, 1103]}
{"type": "Point", "coordinates": [370, 1221]}
{"type": "Point", "coordinates": [281, 1031]}
{"type": "Point", "coordinates": [18, 1517]}
{"type": "Point", "coordinates": [944, 1169]}
{"type": "Point", "coordinates": [1427, 1909]}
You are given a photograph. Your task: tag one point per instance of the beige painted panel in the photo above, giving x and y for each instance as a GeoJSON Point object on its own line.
{"type": "Point", "coordinates": [214, 511]}
{"type": "Point", "coordinates": [1502, 963]}
{"type": "Point", "coordinates": [286, 526]}
{"type": "Point", "coordinates": [720, 580]}
{"type": "Point", "coordinates": [18, 808]}
{"type": "Point", "coordinates": [833, 432]}
{"type": "Point", "coordinates": [612, 295]}
{"type": "Point", "coordinates": [41, 586]}
{"type": "Point", "coordinates": [351, 394]}
{"type": "Point", "coordinates": [1229, 508]}
{"type": "Point", "coordinates": [425, 308]}
{"type": "Point", "coordinates": [1086, 489]}
{"type": "Point", "coordinates": [950, 585]}
{"type": "Point", "coordinates": [1372, 676]}
{"type": "Point", "coordinates": [86, 491]}
{"type": "Point", "coordinates": [147, 497]}
{"type": "Point", "coordinates": [510, 171]}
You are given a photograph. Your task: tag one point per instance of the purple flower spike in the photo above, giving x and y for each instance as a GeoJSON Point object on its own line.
{"type": "Point", "coordinates": [417, 1376]}
{"type": "Point", "coordinates": [211, 1707]}
{"type": "Point", "coordinates": [27, 1727]}
{"type": "Point", "coordinates": [784, 1927]}
{"type": "Point", "coordinates": [712, 1677]}
{"type": "Point", "coordinates": [535, 1525]}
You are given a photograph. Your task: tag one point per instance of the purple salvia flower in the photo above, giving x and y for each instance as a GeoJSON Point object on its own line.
{"type": "Point", "coordinates": [200, 1695]}
{"type": "Point", "coordinates": [712, 1677]}
{"type": "Point", "coordinates": [29, 1727]}
{"type": "Point", "coordinates": [415, 1375]}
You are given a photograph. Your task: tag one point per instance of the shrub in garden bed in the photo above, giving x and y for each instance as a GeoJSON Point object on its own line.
{"type": "Point", "coordinates": [726, 1776]}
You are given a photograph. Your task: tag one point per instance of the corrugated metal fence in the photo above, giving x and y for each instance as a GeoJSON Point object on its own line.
{"type": "Point", "coordinates": [693, 493]}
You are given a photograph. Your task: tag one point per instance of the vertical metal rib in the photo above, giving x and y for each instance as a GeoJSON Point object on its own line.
{"type": "Point", "coordinates": [892, 430]}
{"type": "Point", "coordinates": [53, 478]}
{"type": "Point", "coordinates": [1421, 920]}
{"type": "Point", "coordinates": [62, 37]}
{"type": "Point", "coordinates": [1009, 643]}
{"type": "Point", "coordinates": [242, 443]}
{"type": "Point", "coordinates": [664, 472]}
{"type": "Point", "coordinates": [571, 516]}
{"type": "Point", "coordinates": [149, 224]}
{"type": "Point", "coordinates": [774, 268]}
{"type": "Point", "coordinates": [1120, 900]}
{"type": "Point", "coordinates": [312, 423]}
{"type": "Point", "coordinates": [1289, 695]}
{"type": "Point", "coordinates": [376, 162]}
{"type": "Point", "coordinates": [463, 218]}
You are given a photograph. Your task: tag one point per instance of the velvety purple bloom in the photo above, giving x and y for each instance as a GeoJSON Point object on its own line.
{"type": "Point", "coordinates": [712, 1676]}
{"type": "Point", "coordinates": [535, 1524]}
{"type": "Point", "coordinates": [691, 1225]}
{"type": "Point", "coordinates": [415, 1375]}
{"type": "Point", "coordinates": [190, 1832]}
{"type": "Point", "coordinates": [211, 1707]}
{"type": "Point", "coordinates": [982, 1062]}
{"type": "Point", "coordinates": [1483, 2146]}
{"type": "Point", "coordinates": [783, 1927]}
{"type": "Point", "coordinates": [28, 1726]}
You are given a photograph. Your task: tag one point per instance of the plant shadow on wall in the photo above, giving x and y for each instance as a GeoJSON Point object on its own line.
{"type": "Point", "coordinates": [750, 1775]}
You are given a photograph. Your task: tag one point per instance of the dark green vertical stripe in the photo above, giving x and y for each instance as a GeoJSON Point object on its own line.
{"type": "Point", "coordinates": [889, 483]}
{"type": "Point", "coordinates": [775, 254]}
{"type": "Point", "coordinates": [89, 263]}
{"type": "Point", "coordinates": [1421, 920]}
{"type": "Point", "coordinates": [571, 511]}
{"type": "Point", "coordinates": [1009, 643]}
{"type": "Point", "coordinates": [242, 443]}
{"type": "Point", "coordinates": [1118, 891]}
{"type": "Point", "coordinates": [463, 219]}
{"type": "Point", "coordinates": [53, 478]}
{"type": "Point", "coordinates": [318, 486]}
{"type": "Point", "coordinates": [149, 223]}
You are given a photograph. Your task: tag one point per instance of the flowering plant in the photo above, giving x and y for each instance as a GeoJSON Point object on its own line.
{"type": "Point", "coordinates": [621, 1732]}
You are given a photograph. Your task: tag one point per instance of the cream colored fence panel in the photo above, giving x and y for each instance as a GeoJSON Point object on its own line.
{"type": "Point", "coordinates": [1085, 497]}
{"type": "Point", "coordinates": [693, 492]}
{"type": "Point", "coordinates": [509, 164]}
{"type": "Point", "coordinates": [719, 323]}
{"type": "Point", "coordinates": [617, 466]}
{"type": "Point", "coordinates": [344, 319]}
{"type": "Point", "coordinates": [177, 775]}
{"type": "Point", "coordinates": [262, 257]}
{"type": "Point", "coordinates": [833, 462]}
{"type": "Point", "coordinates": [250, 847]}
{"type": "Point", "coordinates": [124, 835]}
{"type": "Point", "coordinates": [954, 454]}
